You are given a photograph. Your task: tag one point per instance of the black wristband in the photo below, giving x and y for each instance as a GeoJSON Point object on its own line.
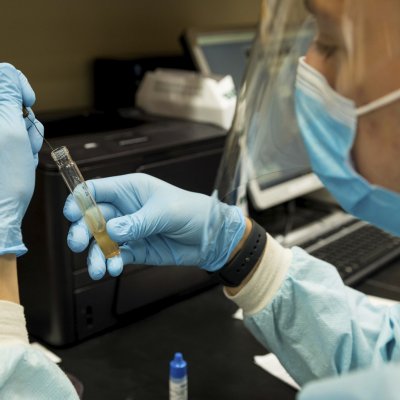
{"type": "Point", "coordinates": [233, 273]}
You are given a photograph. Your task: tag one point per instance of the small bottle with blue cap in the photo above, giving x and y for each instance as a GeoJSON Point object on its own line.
{"type": "Point", "coordinates": [178, 385]}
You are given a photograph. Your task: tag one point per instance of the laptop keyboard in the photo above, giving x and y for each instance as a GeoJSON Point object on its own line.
{"type": "Point", "coordinates": [354, 247]}
{"type": "Point", "coordinates": [356, 250]}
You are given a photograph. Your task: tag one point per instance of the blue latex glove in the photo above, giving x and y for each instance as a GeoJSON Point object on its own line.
{"type": "Point", "coordinates": [156, 224]}
{"type": "Point", "coordinates": [19, 145]}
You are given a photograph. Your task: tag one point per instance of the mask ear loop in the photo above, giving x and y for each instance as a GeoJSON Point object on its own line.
{"type": "Point", "coordinates": [378, 103]}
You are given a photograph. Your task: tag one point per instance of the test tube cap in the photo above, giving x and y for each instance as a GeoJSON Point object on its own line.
{"type": "Point", "coordinates": [178, 367]}
{"type": "Point", "coordinates": [61, 155]}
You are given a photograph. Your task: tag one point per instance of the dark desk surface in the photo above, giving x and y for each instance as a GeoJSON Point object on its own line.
{"type": "Point", "coordinates": [131, 363]}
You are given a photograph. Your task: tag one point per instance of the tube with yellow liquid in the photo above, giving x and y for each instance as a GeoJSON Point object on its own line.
{"type": "Point", "coordinates": [91, 213]}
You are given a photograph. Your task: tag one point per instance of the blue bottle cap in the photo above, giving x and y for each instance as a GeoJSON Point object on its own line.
{"type": "Point", "coordinates": [177, 367]}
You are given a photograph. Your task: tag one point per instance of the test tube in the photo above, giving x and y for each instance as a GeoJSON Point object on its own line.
{"type": "Point", "coordinates": [91, 213]}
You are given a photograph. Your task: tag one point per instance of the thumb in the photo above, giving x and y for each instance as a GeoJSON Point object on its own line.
{"type": "Point", "coordinates": [139, 225]}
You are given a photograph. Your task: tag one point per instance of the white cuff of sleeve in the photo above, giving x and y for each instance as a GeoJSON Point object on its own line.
{"type": "Point", "coordinates": [266, 280]}
{"type": "Point", "coordinates": [12, 323]}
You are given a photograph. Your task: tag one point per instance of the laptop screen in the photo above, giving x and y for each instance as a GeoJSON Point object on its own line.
{"type": "Point", "coordinates": [222, 52]}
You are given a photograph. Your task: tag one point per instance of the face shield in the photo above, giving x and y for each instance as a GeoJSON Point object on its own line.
{"type": "Point", "coordinates": [264, 146]}
{"type": "Point", "coordinates": [335, 111]}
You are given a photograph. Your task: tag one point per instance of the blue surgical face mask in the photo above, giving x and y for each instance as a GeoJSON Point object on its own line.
{"type": "Point", "coordinates": [328, 124]}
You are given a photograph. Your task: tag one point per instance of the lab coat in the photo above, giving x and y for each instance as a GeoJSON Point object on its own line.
{"type": "Point", "coordinates": [298, 307]}
{"type": "Point", "coordinates": [25, 372]}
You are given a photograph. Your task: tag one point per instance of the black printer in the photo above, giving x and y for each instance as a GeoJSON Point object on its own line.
{"type": "Point", "coordinates": [63, 305]}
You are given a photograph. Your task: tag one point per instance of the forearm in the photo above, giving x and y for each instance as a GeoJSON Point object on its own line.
{"type": "Point", "coordinates": [12, 318]}
{"type": "Point", "coordinates": [25, 372]}
{"type": "Point", "coordinates": [299, 308]}
{"type": "Point", "coordinates": [262, 283]}
{"type": "Point", "coordinates": [8, 278]}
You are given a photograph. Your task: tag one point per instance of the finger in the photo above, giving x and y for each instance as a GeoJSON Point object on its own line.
{"type": "Point", "coordinates": [115, 265]}
{"type": "Point", "coordinates": [35, 137]}
{"type": "Point", "coordinates": [28, 95]}
{"type": "Point", "coordinates": [102, 189]}
{"type": "Point", "coordinates": [127, 255]}
{"type": "Point", "coordinates": [142, 252]}
{"type": "Point", "coordinates": [138, 225]}
{"type": "Point", "coordinates": [96, 262]}
{"type": "Point", "coordinates": [74, 214]}
{"type": "Point", "coordinates": [135, 253]}
{"type": "Point", "coordinates": [109, 190]}
{"type": "Point", "coordinates": [79, 235]}
{"type": "Point", "coordinates": [71, 210]}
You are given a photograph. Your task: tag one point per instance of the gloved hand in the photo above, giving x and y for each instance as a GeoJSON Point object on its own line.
{"type": "Point", "coordinates": [157, 224]}
{"type": "Point", "coordinates": [19, 145]}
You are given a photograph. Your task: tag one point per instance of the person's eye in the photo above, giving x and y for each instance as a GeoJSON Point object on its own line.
{"type": "Point", "coordinates": [327, 50]}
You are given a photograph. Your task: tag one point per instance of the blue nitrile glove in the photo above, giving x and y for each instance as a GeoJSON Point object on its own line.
{"type": "Point", "coordinates": [156, 224]}
{"type": "Point", "coordinates": [19, 145]}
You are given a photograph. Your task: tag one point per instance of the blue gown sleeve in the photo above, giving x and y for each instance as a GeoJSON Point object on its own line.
{"type": "Point", "coordinates": [371, 384]}
{"type": "Point", "coordinates": [25, 373]}
{"type": "Point", "coordinates": [318, 327]}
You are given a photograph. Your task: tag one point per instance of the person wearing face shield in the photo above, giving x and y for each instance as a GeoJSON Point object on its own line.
{"type": "Point", "coordinates": [346, 100]}
{"type": "Point", "coordinates": [332, 341]}
{"type": "Point", "coordinates": [347, 95]}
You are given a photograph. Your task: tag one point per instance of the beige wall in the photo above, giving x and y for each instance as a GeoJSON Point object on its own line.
{"type": "Point", "coordinates": [54, 41]}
